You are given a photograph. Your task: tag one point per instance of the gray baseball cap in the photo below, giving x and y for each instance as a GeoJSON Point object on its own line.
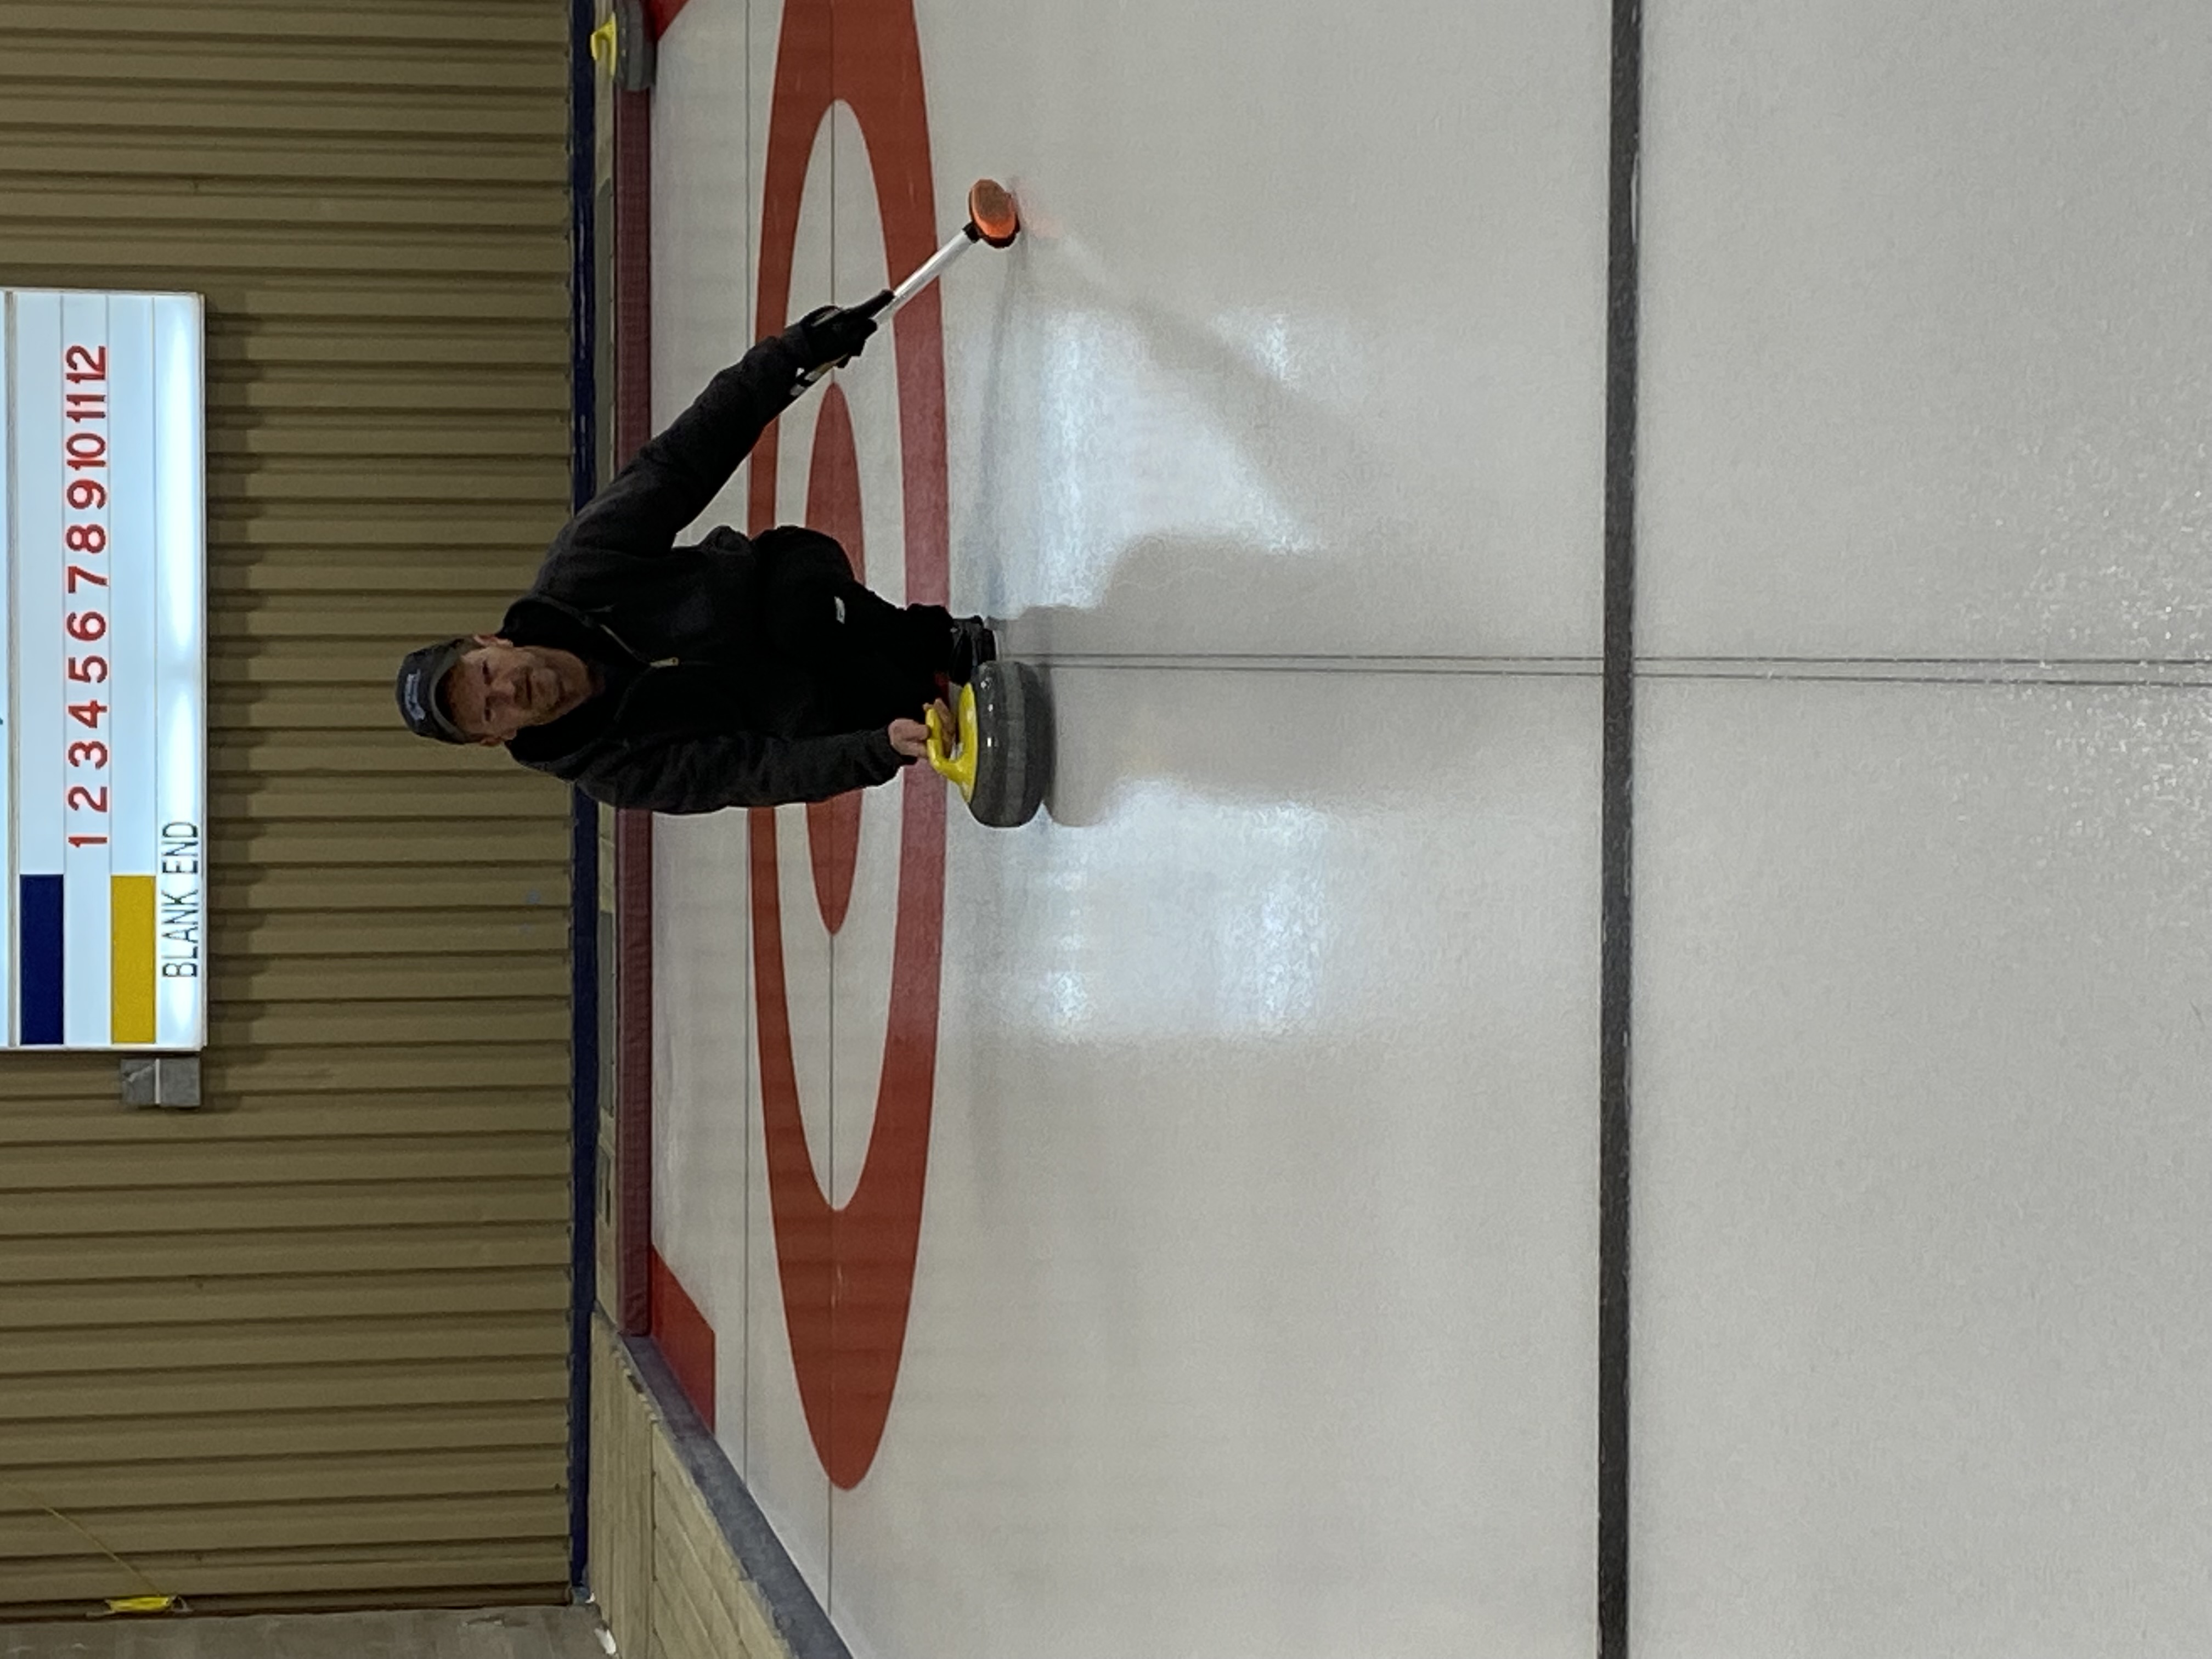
{"type": "Point", "coordinates": [421, 690]}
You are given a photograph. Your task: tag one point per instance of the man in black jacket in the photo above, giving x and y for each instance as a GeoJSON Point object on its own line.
{"type": "Point", "coordinates": [735, 672]}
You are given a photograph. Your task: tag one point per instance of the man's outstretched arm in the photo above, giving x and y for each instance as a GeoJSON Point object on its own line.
{"type": "Point", "coordinates": [672, 478]}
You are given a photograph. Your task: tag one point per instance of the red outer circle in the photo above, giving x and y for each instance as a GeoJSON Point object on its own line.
{"type": "Point", "coordinates": [847, 1274]}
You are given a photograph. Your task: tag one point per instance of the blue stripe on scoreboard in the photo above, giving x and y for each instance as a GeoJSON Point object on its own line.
{"type": "Point", "coordinates": [39, 960]}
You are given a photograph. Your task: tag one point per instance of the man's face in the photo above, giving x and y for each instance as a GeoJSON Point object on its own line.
{"type": "Point", "coordinates": [498, 688]}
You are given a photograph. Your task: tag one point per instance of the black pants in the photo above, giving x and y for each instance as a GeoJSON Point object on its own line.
{"type": "Point", "coordinates": [869, 661]}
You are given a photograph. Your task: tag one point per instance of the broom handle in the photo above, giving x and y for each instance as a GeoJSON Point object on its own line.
{"type": "Point", "coordinates": [889, 303]}
{"type": "Point", "coordinates": [887, 306]}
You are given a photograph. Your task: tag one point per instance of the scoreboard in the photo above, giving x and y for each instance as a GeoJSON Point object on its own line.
{"type": "Point", "coordinates": [103, 799]}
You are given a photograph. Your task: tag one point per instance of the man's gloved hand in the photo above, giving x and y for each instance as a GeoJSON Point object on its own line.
{"type": "Point", "coordinates": [831, 334]}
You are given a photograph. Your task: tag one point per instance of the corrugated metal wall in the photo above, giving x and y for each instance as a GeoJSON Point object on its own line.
{"type": "Point", "coordinates": [308, 1344]}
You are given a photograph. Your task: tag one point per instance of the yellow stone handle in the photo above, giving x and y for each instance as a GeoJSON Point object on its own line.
{"type": "Point", "coordinates": [958, 764]}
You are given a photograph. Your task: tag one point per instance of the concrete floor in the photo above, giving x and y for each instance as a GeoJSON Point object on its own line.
{"type": "Point", "coordinates": [478, 1633]}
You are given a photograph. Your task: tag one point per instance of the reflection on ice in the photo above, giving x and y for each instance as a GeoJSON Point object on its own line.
{"type": "Point", "coordinates": [1125, 449]}
{"type": "Point", "coordinates": [1226, 906]}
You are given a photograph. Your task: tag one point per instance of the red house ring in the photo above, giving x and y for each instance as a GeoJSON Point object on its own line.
{"type": "Point", "coordinates": [847, 1275]}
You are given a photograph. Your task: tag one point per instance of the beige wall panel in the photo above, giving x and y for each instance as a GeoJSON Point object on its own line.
{"type": "Point", "coordinates": [298, 1300]}
{"type": "Point", "coordinates": [287, 117]}
{"type": "Point", "coordinates": [334, 1121]}
{"type": "Point", "coordinates": [398, 618]}
{"type": "Point", "coordinates": [458, 440]}
{"type": "Point", "coordinates": [434, 1339]}
{"type": "Point", "coordinates": [450, 68]}
{"type": "Point", "coordinates": [155, 211]}
{"type": "Point", "coordinates": [473, 26]}
{"type": "Point", "coordinates": [309, 1343]}
{"type": "Point", "coordinates": [319, 797]}
{"type": "Point", "coordinates": [452, 1571]}
{"type": "Point", "coordinates": [678, 1632]}
{"type": "Point", "coordinates": [380, 979]}
{"type": "Point", "coordinates": [398, 1522]}
{"type": "Point", "coordinates": [92, 1263]}
{"type": "Point", "coordinates": [622, 1500]}
{"type": "Point", "coordinates": [223, 1390]}
{"type": "Point", "coordinates": [693, 1567]}
{"type": "Point", "coordinates": [372, 159]}
{"type": "Point", "coordinates": [513, 1019]}
{"type": "Point", "coordinates": [287, 373]}
{"type": "Point", "coordinates": [396, 887]}
{"type": "Point", "coordinates": [303, 1076]}
{"type": "Point", "coordinates": [287, 1297]}
{"type": "Point", "coordinates": [481, 489]}
{"type": "Point", "coordinates": [482, 839]}
{"type": "Point", "coordinates": [359, 1204]}
{"type": "Point", "coordinates": [419, 1430]}
{"type": "Point", "coordinates": [409, 1473]}
{"type": "Point", "coordinates": [185, 1163]}
{"type": "Point", "coordinates": [666, 1580]}
{"type": "Point", "coordinates": [218, 253]}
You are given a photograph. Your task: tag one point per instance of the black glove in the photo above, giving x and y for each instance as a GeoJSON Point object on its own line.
{"type": "Point", "coordinates": [831, 335]}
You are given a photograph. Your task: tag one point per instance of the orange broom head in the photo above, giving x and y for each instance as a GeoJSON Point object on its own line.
{"type": "Point", "coordinates": [991, 210]}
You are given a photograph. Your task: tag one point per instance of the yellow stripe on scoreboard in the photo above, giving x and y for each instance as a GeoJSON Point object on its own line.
{"type": "Point", "coordinates": [130, 958]}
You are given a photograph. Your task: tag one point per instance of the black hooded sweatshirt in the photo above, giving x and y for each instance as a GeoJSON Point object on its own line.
{"type": "Point", "coordinates": [738, 672]}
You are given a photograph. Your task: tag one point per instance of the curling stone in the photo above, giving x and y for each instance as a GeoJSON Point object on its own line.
{"type": "Point", "coordinates": [1001, 762]}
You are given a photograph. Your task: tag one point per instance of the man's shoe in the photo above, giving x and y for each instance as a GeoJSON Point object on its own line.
{"type": "Point", "coordinates": [973, 644]}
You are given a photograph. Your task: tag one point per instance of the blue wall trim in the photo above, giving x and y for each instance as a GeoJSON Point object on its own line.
{"type": "Point", "coordinates": [584, 814]}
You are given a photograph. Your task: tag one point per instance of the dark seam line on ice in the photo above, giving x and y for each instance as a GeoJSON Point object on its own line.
{"type": "Point", "coordinates": [1690, 670]}
{"type": "Point", "coordinates": [2018, 682]}
{"type": "Point", "coordinates": [1975, 662]}
{"type": "Point", "coordinates": [1615, 835]}
{"type": "Point", "coordinates": [1454, 662]}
